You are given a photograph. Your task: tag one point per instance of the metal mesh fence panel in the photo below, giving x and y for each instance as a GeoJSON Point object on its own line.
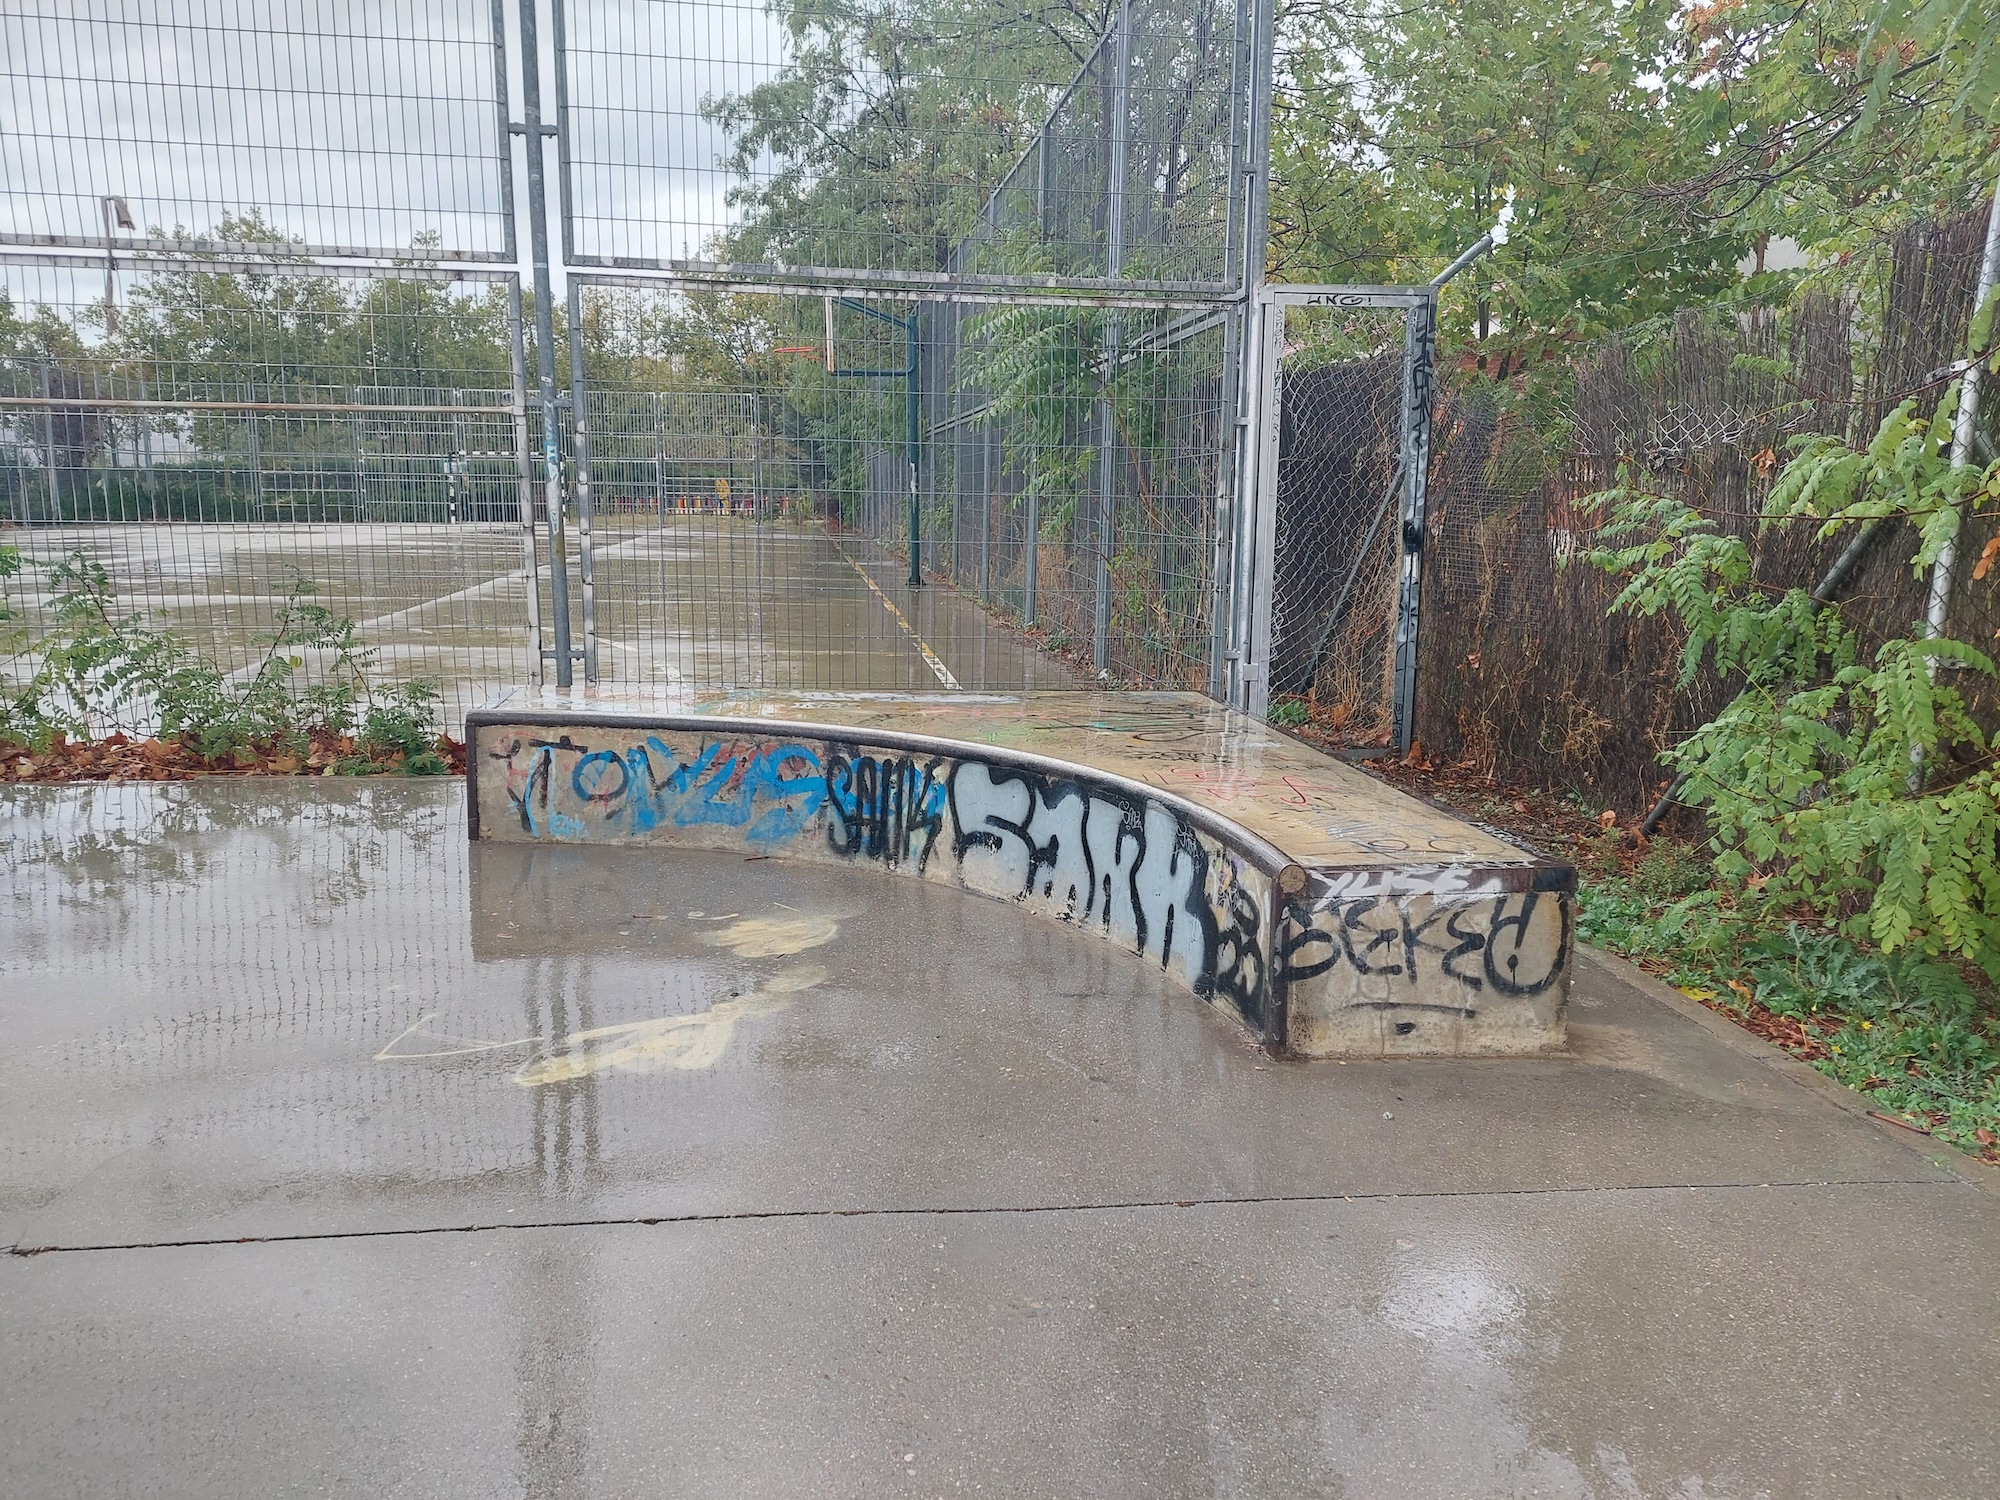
{"type": "Point", "coordinates": [1073, 465]}
{"type": "Point", "coordinates": [240, 445]}
{"type": "Point", "coordinates": [739, 510]}
{"type": "Point", "coordinates": [1340, 488]}
{"type": "Point", "coordinates": [1005, 231]}
{"type": "Point", "coordinates": [861, 144]}
{"type": "Point", "coordinates": [281, 380]}
{"type": "Point", "coordinates": [323, 126]}
{"type": "Point", "coordinates": [968, 270]}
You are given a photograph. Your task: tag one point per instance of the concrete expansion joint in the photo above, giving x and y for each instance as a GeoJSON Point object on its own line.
{"type": "Point", "coordinates": [1122, 1205]}
{"type": "Point", "coordinates": [1331, 915]}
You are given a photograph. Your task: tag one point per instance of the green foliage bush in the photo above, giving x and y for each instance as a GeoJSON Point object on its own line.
{"type": "Point", "coordinates": [104, 671]}
{"type": "Point", "coordinates": [1908, 1029]}
{"type": "Point", "coordinates": [1855, 788]}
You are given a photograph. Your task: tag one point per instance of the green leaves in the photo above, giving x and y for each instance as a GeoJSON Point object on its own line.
{"type": "Point", "coordinates": [103, 671]}
{"type": "Point", "coordinates": [1808, 775]}
{"type": "Point", "coordinates": [1641, 150]}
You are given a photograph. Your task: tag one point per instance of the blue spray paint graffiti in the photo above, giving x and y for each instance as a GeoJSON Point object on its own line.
{"type": "Point", "coordinates": [769, 791]}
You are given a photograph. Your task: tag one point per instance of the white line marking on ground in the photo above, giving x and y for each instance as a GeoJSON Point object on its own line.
{"type": "Point", "coordinates": [930, 657]}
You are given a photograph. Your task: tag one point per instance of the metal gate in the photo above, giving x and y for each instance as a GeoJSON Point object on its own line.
{"type": "Point", "coordinates": [1330, 592]}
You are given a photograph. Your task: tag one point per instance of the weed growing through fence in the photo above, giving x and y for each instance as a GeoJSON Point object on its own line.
{"type": "Point", "coordinates": [106, 673]}
{"type": "Point", "coordinates": [1807, 775]}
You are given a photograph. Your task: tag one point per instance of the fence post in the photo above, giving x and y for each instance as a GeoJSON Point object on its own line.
{"type": "Point", "coordinates": [1229, 392]}
{"type": "Point", "coordinates": [579, 404]}
{"type": "Point", "coordinates": [49, 446]}
{"type": "Point", "coordinates": [524, 485]}
{"type": "Point", "coordinates": [1257, 521]}
{"type": "Point", "coordinates": [1257, 381]}
{"type": "Point", "coordinates": [545, 334]}
{"type": "Point", "coordinates": [1120, 110]}
{"type": "Point", "coordinates": [360, 461]}
{"type": "Point", "coordinates": [1419, 354]}
{"type": "Point", "coordinates": [256, 449]}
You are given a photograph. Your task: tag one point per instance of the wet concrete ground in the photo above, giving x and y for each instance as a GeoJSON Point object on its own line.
{"type": "Point", "coordinates": [360, 1161]}
{"type": "Point", "coordinates": [686, 601]}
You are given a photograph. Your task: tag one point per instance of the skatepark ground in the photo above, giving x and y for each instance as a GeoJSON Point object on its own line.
{"type": "Point", "coordinates": [347, 1157]}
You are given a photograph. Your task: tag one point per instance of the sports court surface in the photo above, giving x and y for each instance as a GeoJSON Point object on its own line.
{"type": "Point", "coordinates": [685, 601]}
{"type": "Point", "coordinates": [347, 1157]}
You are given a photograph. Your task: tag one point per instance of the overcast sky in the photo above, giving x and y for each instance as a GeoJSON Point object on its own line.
{"type": "Point", "coordinates": [362, 123]}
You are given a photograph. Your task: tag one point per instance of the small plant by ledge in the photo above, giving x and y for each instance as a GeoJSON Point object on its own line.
{"type": "Point", "coordinates": [103, 672]}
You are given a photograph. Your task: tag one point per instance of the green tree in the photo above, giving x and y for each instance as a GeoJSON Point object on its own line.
{"type": "Point", "coordinates": [880, 139]}
{"type": "Point", "coordinates": [1642, 150]}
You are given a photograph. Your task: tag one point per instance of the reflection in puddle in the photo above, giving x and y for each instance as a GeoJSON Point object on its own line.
{"type": "Point", "coordinates": [1448, 1301]}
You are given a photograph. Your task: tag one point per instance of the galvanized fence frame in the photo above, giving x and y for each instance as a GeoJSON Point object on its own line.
{"type": "Point", "coordinates": [1251, 621]}
{"type": "Point", "coordinates": [1095, 236]}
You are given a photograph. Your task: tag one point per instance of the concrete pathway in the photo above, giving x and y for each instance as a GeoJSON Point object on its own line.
{"type": "Point", "coordinates": [346, 1158]}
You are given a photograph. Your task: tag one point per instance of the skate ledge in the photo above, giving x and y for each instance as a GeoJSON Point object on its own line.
{"type": "Point", "coordinates": [1328, 913]}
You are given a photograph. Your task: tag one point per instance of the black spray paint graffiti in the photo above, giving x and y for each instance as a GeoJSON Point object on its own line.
{"type": "Point", "coordinates": [1127, 864]}
{"type": "Point", "coordinates": [889, 809]}
{"type": "Point", "coordinates": [1511, 945]}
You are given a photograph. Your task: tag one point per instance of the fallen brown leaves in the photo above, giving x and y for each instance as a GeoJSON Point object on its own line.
{"type": "Point", "coordinates": [121, 759]}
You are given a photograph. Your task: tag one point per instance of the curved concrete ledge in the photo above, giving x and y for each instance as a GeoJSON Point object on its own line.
{"type": "Point", "coordinates": [1359, 960]}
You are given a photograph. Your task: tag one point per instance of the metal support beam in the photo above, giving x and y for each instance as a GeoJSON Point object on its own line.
{"type": "Point", "coordinates": [545, 336]}
{"type": "Point", "coordinates": [1419, 357]}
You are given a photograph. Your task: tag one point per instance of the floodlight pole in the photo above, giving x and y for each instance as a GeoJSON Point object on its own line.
{"type": "Point", "coordinates": [116, 216]}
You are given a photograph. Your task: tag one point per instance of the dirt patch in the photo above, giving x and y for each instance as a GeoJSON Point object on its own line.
{"type": "Point", "coordinates": [122, 759]}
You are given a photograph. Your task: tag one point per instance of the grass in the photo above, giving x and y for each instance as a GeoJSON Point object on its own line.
{"type": "Point", "coordinates": [1919, 1036]}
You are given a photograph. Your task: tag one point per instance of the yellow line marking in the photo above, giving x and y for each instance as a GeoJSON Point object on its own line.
{"type": "Point", "coordinates": [930, 657]}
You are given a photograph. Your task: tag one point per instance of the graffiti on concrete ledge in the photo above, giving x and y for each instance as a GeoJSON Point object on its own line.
{"type": "Point", "coordinates": [769, 792]}
{"type": "Point", "coordinates": [1512, 945]}
{"type": "Point", "coordinates": [1124, 864]}
{"type": "Point", "coordinates": [888, 808]}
